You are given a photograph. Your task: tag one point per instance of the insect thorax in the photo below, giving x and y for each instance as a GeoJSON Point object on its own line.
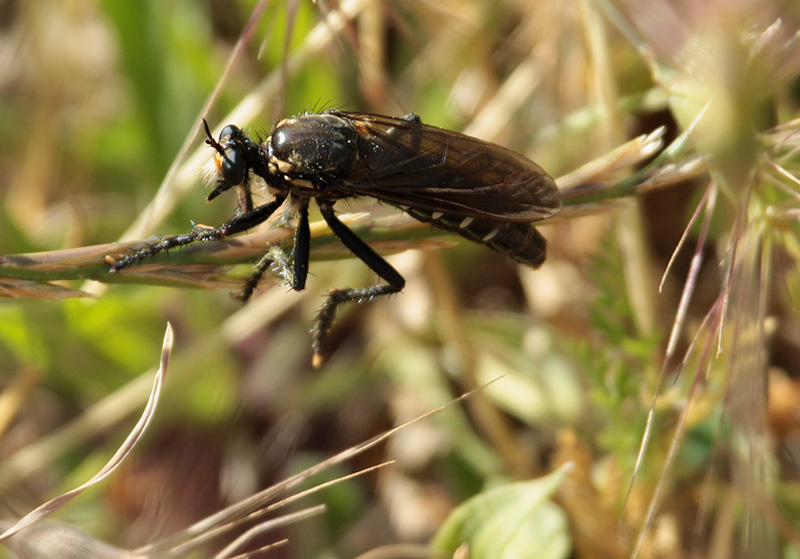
{"type": "Point", "coordinates": [314, 144]}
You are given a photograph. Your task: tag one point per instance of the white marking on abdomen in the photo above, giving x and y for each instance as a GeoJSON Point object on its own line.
{"type": "Point", "coordinates": [436, 216]}
{"type": "Point", "coordinates": [466, 223]}
{"type": "Point", "coordinates": [491, 235]}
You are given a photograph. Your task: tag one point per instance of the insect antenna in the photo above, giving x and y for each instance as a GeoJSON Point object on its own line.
{"type": "Point", "coordinates": [211, 141]}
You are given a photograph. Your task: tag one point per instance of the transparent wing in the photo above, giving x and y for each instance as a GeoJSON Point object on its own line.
{"type": "Point", "coordinates": [406, 163]}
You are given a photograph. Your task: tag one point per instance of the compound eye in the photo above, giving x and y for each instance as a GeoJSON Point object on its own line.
{"type": "Point", "coordinates": [232, 167]}
{"type": "Point", "coordinates": [227, 133]}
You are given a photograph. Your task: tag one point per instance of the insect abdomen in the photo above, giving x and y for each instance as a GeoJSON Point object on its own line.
{"type": "Point", "coordinates": [518, 239]}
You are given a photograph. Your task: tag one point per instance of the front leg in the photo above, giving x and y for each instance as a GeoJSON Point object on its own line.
{"type": "Point", "coordinates": [236, 224]}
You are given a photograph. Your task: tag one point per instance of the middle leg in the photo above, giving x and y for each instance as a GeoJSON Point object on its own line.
{"type": "Point", "coordinates": [294, 269]}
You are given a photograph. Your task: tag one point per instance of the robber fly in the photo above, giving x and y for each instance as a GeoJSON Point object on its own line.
{"type": "Point", "coordinates": [481, 191]}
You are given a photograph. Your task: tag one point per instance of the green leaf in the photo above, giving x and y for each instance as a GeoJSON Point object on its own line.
{"type": "Point", "coordinates": [513, 521]}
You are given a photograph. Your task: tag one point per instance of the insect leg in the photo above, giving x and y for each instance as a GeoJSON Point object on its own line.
{"type": "Point", "coordinates": [245, 198]}
{"type": "Point", "coordinates": [302, 247]}
{"type": "Point", "coordinates": [338, 297]}
{"type": "Point", "coordinates": [236, 224]}
{"type": "Point", "coordinates": [295, 273]}
{"type": "Point", "coordinates": [361, 249]}
{"type": "Point", "coordinates": [327, 313]}
{"type": "Point", "coordinates": [276, 256]}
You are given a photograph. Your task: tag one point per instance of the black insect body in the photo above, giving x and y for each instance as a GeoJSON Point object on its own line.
{"type": "Point", "coordinates": [481, 191]}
